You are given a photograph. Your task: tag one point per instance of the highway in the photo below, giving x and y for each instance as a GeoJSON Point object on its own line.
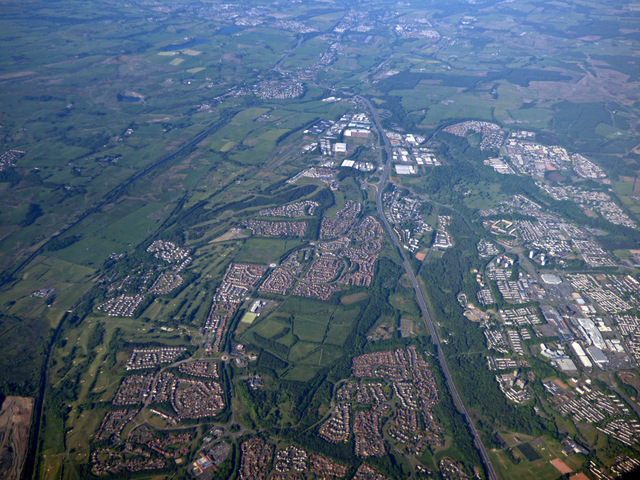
{"type": "Point", "coordinates": [491, 474]}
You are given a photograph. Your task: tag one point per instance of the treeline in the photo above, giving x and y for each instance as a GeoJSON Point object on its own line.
{"type": "Point", "coordinates": [464, 351]}
{"type": "Point", "coordinates": [450, 275]}
{"type": "Point", "coordinates": [398, 115]}
{"type": "Point", "coordinates": [24, 345]}
{"type": "Point", "coordinates": [326, 200]}
{"type": "Point", "coordinates": [96, 337]}
{"type": "Point", "coordinates": [271, 345]}
{"type": "Point", "coordinates": [58, 243]}
{"type": "Point", "coordinates": [303, 398]}
{"type": "Point", "coordinates": [386, 277]}
{"type": "Point", "coordinates": [116, 344]}
{"type": "Point", "coordinates": [477, 385]}
{"type": "Point", "coordinates": [454, 423]}
{"type": "Point", "coordinates": [522, 76]}
{"type": "Point", "coordinates": [34, 211]}
{"type": "Point", "coordinates": [343, 452]}
{"type": "Point", "coordinates": [391, 465]}
{"type": "Point", "coordinates": [288, 195]}
{"type": "Point", "coordinates": [10, 175]}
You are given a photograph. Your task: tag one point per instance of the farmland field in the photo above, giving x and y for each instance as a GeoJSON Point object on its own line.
{"type": "Point", "coordinates": [160, 302]}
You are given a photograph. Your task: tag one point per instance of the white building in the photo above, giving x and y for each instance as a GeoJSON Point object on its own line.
{"type": "Point", "coordinates": [340, 148]}
{"type": "Point", "coordinates": [582, 356]}
{"type": "Point", "coordinates": [405, 169]}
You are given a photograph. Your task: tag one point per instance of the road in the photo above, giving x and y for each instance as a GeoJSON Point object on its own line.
{"type": "Point", "coordinates": [111, 196]}
{"type": "Point", "coordinates": [301, 40]}
{"type": "Point", "coordinates": [420, 296]}
{"type": "Point", "coordinates": [281, 61]}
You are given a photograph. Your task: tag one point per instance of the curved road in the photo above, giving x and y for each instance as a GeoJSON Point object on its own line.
{"type": "Point", "coordinates": [421, 299]}
{"type": "Point", "coordinates": [281, 61]}
{"type": "Point", "coordinates": [34, 441]}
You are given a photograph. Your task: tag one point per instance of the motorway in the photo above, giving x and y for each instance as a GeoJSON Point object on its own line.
{"type": "Point", "coordinates": [491, 474]}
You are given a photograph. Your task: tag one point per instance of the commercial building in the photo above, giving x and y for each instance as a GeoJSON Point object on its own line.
{"type": "Point", "coordinates": [405, 169]}
{"type": "Point", "coordinates": [550, 279]}
{"type": "Point", "coordinates": [598, 357]}
{"type": "Point", "coordinates": [582, 356]}
{"type": "Point", "coordinates": [591, 332]}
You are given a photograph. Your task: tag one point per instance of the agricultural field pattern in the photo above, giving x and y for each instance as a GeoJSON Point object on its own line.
{"type": "Point", "coordinates": [319, 239]}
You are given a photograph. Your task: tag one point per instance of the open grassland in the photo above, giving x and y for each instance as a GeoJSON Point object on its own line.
{"type": "Point", "coordinates": [305, 332]}
{"type": "Point", "coordinates": [264, 250]}
{"type": "Point", "coordinates": [301, 373]}
{"type": "Point", "coordinates": [541, 468]}
{"type": "Point", "coordinates": [96, 95]}
{"type": "Point", "coordinates": [68, 280]}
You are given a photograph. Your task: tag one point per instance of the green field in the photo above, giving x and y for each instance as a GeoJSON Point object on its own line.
{"type": "Point", "coordinates": [264, 250]}
{"type": "Point", "coordinates": [311, 332]}
{"type": "Point", "coordinates": [540, 467]}
{"type": "Point", "coordinates": [121, 125]}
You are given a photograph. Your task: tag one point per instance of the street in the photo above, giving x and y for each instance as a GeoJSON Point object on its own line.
{"type": "Point", "coordinates": [420, 296]}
